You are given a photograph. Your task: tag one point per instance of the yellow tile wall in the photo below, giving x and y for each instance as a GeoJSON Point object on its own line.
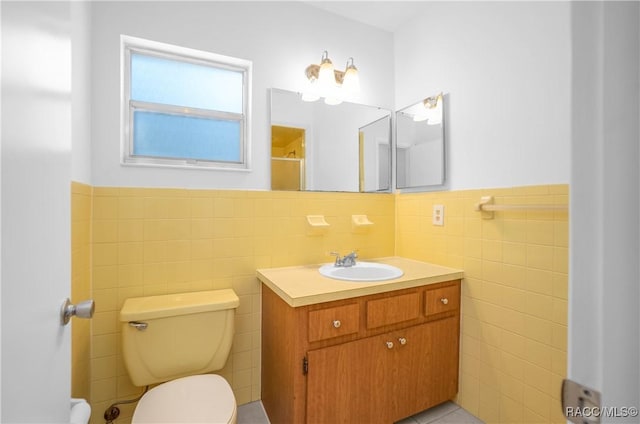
{"type": "Point", "coordinates": [80, 287]}
{"type": "Point", "coordinates": [514, 303]}
{"type": "Point", "coordinates": [159, 241]}
{"type": "Point", "coordinates": [156, 241]}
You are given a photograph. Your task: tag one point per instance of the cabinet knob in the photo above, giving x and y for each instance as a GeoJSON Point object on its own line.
{"type": "Point", "coordinates": [444, 300]}
{"type": "Point", "coordinates": [337, 323]}
{"type": "Point", "coordinates": [402, 341]}
{"type": "Point", "coordinates": [389, 345]}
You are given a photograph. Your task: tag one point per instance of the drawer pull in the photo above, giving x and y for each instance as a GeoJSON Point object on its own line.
{"type": "Point", "coordinates": [389, 345]}
{"type": "Point", "coordinates": [402, 341]}
{"type": "Point", "coordinates": [337, 323]}
{"type": "Point", "coordinates": [444, 300]}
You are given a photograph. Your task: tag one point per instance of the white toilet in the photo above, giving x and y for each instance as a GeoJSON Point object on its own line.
{"type": "Point", "coordinates": [177, 339]}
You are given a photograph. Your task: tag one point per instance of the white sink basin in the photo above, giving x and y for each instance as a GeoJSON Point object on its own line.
{"type": "Point", "coordinates": [361, 272]}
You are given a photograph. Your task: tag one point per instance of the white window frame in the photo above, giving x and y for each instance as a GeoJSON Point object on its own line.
{"type": "Point", "coordinates": [130, 44]}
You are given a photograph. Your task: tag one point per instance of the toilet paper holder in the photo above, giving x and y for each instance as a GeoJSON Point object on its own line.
{"type": "Point", "coordinates": [84, 309]}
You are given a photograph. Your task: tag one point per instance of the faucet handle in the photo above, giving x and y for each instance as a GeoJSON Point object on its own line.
{"type": "Point", "coordinates": [339, 260]}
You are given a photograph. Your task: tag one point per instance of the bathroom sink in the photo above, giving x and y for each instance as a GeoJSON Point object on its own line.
{"type": "Point", "coordinates": [361, 272]}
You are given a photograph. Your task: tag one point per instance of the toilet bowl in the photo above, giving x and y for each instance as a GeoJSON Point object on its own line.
{"type": "Point", "coordinates": [195, 399]}
{"type": "Point", "coordinates": [176, 340]}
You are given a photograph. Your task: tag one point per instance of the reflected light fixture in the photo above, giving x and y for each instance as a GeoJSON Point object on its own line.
{"type": "Point", "coordinates": [330, 83]}
{"type": "Point", "coordinates": [432, 112]}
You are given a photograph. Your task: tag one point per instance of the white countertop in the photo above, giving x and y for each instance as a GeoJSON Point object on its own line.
{"type": "Point", "coordinates": [304, 285]}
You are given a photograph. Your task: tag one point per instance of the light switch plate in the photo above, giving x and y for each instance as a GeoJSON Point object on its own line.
{"type": "Point", "coordinates": [438, 215]}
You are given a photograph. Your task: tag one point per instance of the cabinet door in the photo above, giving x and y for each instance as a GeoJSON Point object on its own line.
{"type": "Point", "coordinates": [426, 366]}
{"type": "Point", "coordinates": [371, 381]}
{"type": "Point", "coordinates": [350, 383]}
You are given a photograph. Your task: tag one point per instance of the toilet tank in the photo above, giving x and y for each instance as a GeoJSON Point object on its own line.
{"type": "Point", "coordinates": [171, 336]}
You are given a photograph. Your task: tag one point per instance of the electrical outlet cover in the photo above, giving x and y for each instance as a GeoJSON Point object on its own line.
{"type": "Point", "coordinates": [438, 215]}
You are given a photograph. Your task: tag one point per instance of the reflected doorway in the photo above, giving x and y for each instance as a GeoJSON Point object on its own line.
{"type": "Point", "coordinates": [375, 156]}
{"type": "Point", "coordinates": [287, 158]}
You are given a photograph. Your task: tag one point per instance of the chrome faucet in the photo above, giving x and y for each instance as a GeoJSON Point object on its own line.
{"type": "Point", "coordinates": [345, 261]}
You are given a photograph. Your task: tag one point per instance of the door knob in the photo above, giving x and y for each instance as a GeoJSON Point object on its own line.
{"type": "Point", "coordinates": [83, 309]}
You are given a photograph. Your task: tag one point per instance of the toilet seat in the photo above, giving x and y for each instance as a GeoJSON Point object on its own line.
{"type": "Point", "coordinates": [206, 398]}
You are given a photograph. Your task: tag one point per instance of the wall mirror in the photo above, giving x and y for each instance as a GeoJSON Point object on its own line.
{"type": "Point", "coordinates": [320, 147]}
{"type": "Point", "coordinates": [420, 144]}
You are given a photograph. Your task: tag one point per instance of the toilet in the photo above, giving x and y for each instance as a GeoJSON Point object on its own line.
{"type": "Point", "coordinates": [176, 340]}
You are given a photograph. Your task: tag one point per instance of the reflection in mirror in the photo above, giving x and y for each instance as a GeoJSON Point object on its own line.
{"type": "Point", "coordinates": [320, 147]}
{"type": "Point", "coordinates": [375, 156]}
{"type": "Point", "coordinates": [420, 144]}
{"type": "Point", "coordinates": [287, 158]}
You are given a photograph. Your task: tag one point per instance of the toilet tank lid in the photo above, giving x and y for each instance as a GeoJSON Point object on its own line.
{"type": "Point", "coordinates": [150, 307]}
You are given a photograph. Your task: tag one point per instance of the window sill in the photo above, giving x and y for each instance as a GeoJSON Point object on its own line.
{"type": "Point", "coordinates": [194, 167]}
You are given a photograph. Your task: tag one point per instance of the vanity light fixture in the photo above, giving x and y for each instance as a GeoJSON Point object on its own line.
{"type": "Point", "coordinates": [432, 112]}
{"type": "Point", "coordinates": [330, 83]}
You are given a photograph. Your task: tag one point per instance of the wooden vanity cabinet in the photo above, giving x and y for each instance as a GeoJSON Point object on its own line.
{"type": "Point", "coordinates": [371, 359]}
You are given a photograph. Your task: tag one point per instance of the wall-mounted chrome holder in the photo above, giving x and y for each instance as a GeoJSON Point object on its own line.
{"type": "Point", "coordinates": [81, 310]}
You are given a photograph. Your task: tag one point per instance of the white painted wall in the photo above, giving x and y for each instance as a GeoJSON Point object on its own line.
{"type": "Point", "coordinates": [281, 38]}
{"type": "Point", "coordinates": [604, 320]}
{"type": "Point", "coordinates": [505, 68]}
{"type": "Point", "coordinates": [81, 91]}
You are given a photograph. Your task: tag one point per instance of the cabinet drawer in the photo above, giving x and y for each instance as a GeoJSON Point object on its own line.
{"type": "Point", "coordinates": [392, 310]}
{"type": "Point", "coordinates": [442, 300]}
{"type": "Point", "coordinates": [334, 322]}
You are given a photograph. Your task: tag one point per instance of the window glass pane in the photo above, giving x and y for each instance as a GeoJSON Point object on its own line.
{"type": "Point", "coordinates": [158, 80]}
{"type": "Point", "coordinates": [185, 137]}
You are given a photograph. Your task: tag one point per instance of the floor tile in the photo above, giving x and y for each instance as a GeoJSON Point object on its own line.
{"type": "Point", "coordinates": [446, 413]}
{"type": "Point", "coordinates": [409, 420]}
{"type": "Point", "coordinates": [431, 415]}
{"type": "Point", "coordinates": [252, 413]}
{"type": "Point", "coordinates": [459, 416]}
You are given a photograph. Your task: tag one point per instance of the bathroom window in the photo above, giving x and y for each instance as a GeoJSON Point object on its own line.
{"type": "Point", "coordinates": [183, 107]}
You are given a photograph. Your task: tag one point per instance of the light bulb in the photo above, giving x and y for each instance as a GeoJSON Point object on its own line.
{"type": "Point", "coordinates": [326, 76]}
{"type": "Point", "coordinates": [309, 97]}
{"type": "Point", "coordinates": [310, 94]}
{"type": "Point", "coordinates": [435, 112]}
{"type": "Point", "coordinates": [351, 81]}
{"type": "Point", "coordinates": [434, 121]}
{"type": "Point", "coordinates": [332, 100]}
{"type": "Point", "coordinates": [333, 95]}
